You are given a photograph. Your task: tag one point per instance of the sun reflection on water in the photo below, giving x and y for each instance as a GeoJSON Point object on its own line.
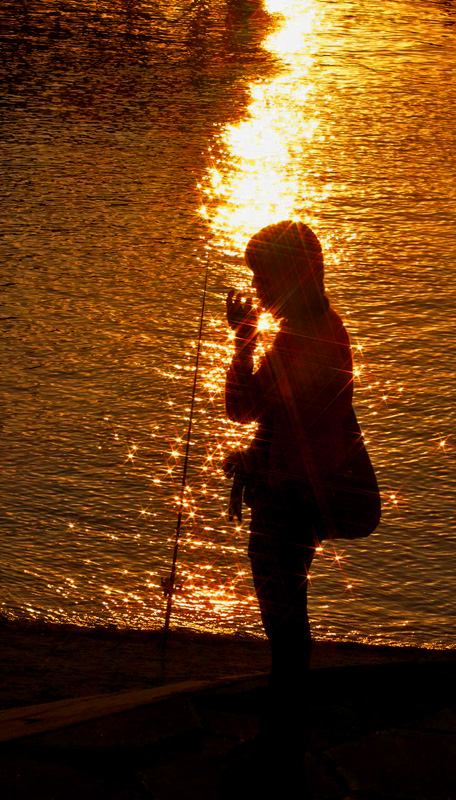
{"type": "Point", "coordinates": [279, 160]}
{"type": "Point", "coordinates": [256, 176]}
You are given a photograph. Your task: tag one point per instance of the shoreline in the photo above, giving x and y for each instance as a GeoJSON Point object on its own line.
{"type": "Point", "coordinates": [42, 662]}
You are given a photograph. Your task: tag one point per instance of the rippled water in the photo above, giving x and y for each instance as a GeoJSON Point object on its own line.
{"type": "Point", "coordinates": [143, 142]}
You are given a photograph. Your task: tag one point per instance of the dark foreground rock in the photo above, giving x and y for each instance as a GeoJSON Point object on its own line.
{"type": "Point", "coordinates": [379, 732]}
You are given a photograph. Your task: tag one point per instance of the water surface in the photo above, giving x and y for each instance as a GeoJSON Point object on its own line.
{"type": "Point", "coordinates": [143, 143]}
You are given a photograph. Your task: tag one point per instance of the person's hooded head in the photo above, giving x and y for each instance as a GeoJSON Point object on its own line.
{"type": "Point", "coordinates": [287, 263]}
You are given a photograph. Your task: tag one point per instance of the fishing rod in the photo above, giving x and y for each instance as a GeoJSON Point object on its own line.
{"type": "Point", "coordinates": [168, 584]}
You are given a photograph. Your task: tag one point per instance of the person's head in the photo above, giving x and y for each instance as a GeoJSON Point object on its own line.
{"type": "Point", "coordinates": [288, 272]}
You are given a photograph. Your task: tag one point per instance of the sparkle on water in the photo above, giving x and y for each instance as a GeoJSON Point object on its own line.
{"type": "Point", "coordinates": [123, 186]}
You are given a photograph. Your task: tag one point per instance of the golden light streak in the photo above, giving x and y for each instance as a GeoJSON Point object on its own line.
{"type": "Point", "coordinates": [299, 22]}
{"type": "Point", "coordinates": [256, 177]}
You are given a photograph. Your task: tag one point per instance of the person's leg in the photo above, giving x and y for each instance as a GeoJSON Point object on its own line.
{"type": "Point", "coordinates": [281, 550]}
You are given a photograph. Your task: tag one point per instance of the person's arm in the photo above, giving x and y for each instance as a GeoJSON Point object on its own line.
{"type": "Point", "coordinates": [244, 397]}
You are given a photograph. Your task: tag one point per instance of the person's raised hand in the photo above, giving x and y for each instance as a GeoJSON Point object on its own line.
{"type": "Point", "coordinates": [242, 317]}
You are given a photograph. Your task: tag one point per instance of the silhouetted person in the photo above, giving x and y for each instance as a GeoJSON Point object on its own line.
{"type": "Point", "coordinates": [301, 397]}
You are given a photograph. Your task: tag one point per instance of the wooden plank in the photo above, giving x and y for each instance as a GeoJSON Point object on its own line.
{"type": "Point", "coordinates": [18, 723]}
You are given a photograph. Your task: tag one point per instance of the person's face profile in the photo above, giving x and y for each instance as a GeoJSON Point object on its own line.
{"type": "Point", "coordinates": [267, 290]}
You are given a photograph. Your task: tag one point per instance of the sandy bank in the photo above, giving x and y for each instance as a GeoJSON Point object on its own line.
{"type": "Point", "coordinates": [45, 662]}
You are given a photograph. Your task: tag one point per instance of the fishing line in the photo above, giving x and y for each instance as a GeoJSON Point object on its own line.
{"type": "Point", "coordinates": [170, 582]}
